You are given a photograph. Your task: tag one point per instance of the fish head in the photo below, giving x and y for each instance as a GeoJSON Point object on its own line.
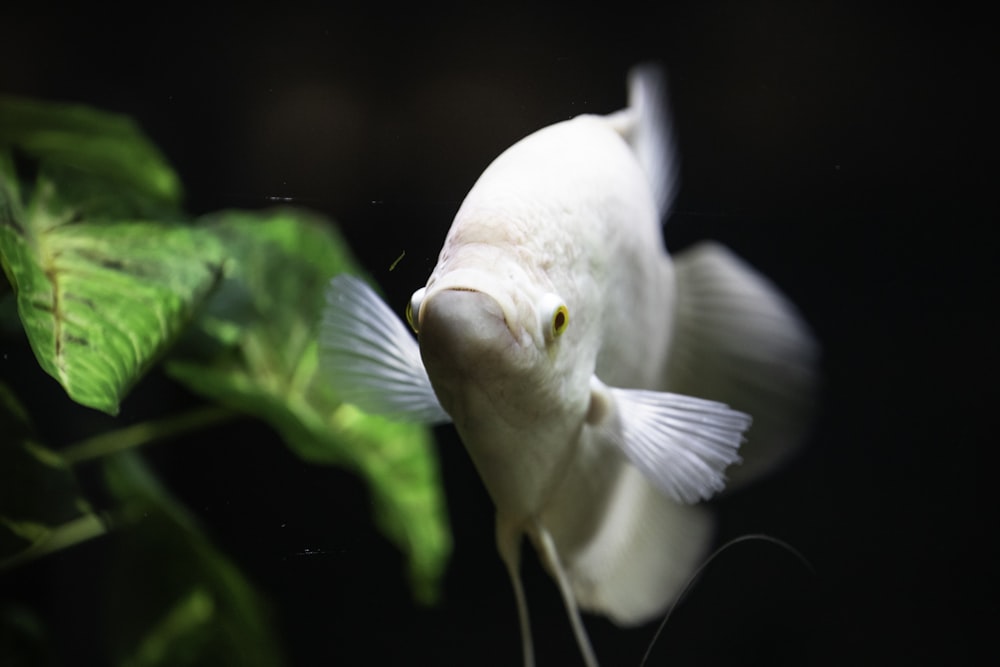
{"type": "Point", "coordinates": [499, 360]}
{"type": "Point", "coordinates": [494, 352]}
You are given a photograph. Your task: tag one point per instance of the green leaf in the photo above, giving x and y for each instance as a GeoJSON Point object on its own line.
{"type": "Point", "coordinates": [23, 638]}
{"type": "Point", "coordinates": [103, 284]}
{"type": "Point", "coordinates": [173, 599]}
{"type": "Point", "coordinates": [256, 351]}
{"type": "Point", "coordinates": [96, 145]}
{"type": "Point", "coordinates": [41, 508]}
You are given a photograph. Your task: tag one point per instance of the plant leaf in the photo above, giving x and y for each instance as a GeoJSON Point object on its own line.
{"type": "Point", "coordinates": [41, 508]}
{"type": "Point", "coordinates": [103, 283]}
{"type": "Point", "coordinates": [24, 640]}
{"type": "Point", "coordinates": [100, 147]}
{"type": "Point", "coordinates": [256, 351]}
{"type": "Point", "coordinates": [174, 600]}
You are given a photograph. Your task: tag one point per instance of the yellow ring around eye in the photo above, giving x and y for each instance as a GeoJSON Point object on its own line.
{"type": "Point", "coordinates": [409, 316]}
{"type": "Point", "coordinates": [553, 316]}
{"type": "Point", "coordinates": [560, 320]}
{"type": "Point", "coordinates": [413, 309]}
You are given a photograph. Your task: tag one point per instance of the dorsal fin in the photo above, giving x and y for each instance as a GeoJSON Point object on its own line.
{"type": "Point", "coordinates": [646, 125]}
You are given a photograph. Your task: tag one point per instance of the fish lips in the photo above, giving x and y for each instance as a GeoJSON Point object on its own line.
{"type": "Point", "coordinates": [469, 348]}
{"type": "Point", "coordinates": [464, 331]}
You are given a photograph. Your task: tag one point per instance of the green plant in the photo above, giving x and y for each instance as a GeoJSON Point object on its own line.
{"type": "Point", "coordinates": [106, 276]}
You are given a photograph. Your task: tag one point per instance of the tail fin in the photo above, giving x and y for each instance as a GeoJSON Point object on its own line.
{"type": "Point", "coordinates": [739, 341]}
{"type": "Point", "coordinates": [647, 127]}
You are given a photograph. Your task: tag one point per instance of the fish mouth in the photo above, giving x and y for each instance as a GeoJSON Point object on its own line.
{"type": "Point", "coordinates": [463, 330]}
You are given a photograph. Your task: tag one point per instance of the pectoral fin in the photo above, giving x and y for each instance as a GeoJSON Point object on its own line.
{"type": "Point", "coordinates": [622, 539]}
{"type": "Point", "coordinates": [371, 358]}
{"type": "Point", "coordinates": [682, 444]}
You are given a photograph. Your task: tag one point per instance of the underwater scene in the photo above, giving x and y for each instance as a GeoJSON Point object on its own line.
{"type": "Point", "coordinates": [504, 336]}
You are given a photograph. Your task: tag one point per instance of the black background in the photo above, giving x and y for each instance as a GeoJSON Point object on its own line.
{"type": "Point", "coordinates": [841, 148]}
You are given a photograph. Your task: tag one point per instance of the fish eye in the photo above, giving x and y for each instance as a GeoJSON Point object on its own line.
{"type": "Point", "coordinates": [555, 316]}
{"type": "Point", "coordinates": [560, 320]}
{"type": "Point", "coordinates": [413, 309]}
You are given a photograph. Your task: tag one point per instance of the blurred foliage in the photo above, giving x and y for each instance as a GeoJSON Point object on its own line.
{"type": "Point", "coordinates": [187, 604]}
{"type": "Point", "coordinates": [23, 639]}
{"type": "Point", "coordinates": [42, 506]}
{"type": "Point", "coordinates": [254, 348]}
{"type": "Point", "coordinates": [108, 278]}
{"type": "Point", "coordinates": [102, 162]}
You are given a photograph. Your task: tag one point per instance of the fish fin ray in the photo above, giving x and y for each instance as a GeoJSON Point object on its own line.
{"type": "Point", "coordinates": [681, 443]}
{"type": "Point", "coordinates": [739, 341]}
{"type": "Point", "coordinates": [370, 357]}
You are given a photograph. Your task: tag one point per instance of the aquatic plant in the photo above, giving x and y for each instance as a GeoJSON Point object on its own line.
{"type": "Point", "coordinates": [107, 277]}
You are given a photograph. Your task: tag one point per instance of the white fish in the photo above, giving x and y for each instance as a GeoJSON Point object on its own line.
{"type": "Point", "coordinates": [587, 374]}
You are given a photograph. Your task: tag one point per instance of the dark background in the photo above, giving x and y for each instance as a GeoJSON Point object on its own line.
{"type": "Point", "coordinates": [841, 148]}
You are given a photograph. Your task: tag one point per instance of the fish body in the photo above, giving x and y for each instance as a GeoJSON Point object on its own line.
{"type": "Point", "coordinates": [560, 338]}
{"type": "Point", "coordinates": [567, 213]}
